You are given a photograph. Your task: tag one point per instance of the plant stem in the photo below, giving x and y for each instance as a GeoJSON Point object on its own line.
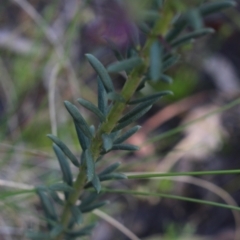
{"type": "Point", "coordinates": [114, 115]}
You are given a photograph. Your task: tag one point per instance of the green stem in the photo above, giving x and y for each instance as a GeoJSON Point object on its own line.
{"type": "Point", "coordinates": [114, 115]}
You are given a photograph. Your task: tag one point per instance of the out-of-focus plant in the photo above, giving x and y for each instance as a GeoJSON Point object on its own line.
{"type": "Point", "coordinates": [163, 31]}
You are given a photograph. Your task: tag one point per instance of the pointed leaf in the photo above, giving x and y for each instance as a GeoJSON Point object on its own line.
{"type": "Point", "coordinates": [127, 147]}
{"type": "Point", "coordinates": [137, 109]}
{"type": "Point", "coordinates": [114, 48]}
{"type": "Point", "coordinates": [102, 72]}
{"type": "Point", "coordinates": [83, 140]}
{"type": "Point", "coordinates": [96, 183]}
{"type": "Point", "coordinates": [107, 142]}
{"type": "Point", "coordinates": [91, 107]}
{"type": "Point", "coordinates": [65, 149]}
{"type": "Point", "coordinates": [125, 65]}
{"type": "Point", "coordinates": [213, 7]}
{"type": "Point", "coordinates": [156, 61]}
{"type": "Point", "coordinates": [63, 187]}
{"type": "Point", "coordinates": [94, 206]}
{"type": "Point", "coordinates": [56, 231]}
{"type": "Point", "coordinates": [77, 214]}
{"type": "Point", "coordinates": [79, 120]}
{"type": "Point", "coordinates": [132, 119]}
{"type": "Point", "coordinates": [166, 78]}
{"type": "Point", "coordinates": [89, 199]}
{"type": "Point", "coordinates": [90, 165]}
{"type": "Point", "coordinates": [170, 62]}
{"type": "Point", "coordinates": [195, 19]}
{"type": "Point", "coordinates": [151, 97]}
{"type": "Point", "coordinates": [116, 97]}
{"type": "Point", "coordinates": [56, 198]}
{"type": "Point", "coordinates": [67, 175]}
{"type": "Point", "coordinates": [110, 169]}
{"type": "Point", "coordinates": [187, 37]}
{"type": "Point", "coordinates": [102, 98]}
{"type": "Point", "coordinates": [113, 176]}
{"type": "Point", "coordinates": [47, 204]}
{"type": "Point", "coordinates": [127, 135]}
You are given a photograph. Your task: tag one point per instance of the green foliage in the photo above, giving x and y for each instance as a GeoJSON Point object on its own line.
{"type": "Point", "coordinates": [144, 63]}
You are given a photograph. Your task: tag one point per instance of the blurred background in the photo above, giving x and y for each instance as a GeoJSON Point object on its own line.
{"type": "Point", "coordinates": [42, 63]}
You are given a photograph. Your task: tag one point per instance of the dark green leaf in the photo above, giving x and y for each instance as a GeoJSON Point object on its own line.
{"type": "Point", "coordinates": [113, 176]}
{"type": "Point", "coordinates": [151, 97]}
{"type": "Point", "coordinates": [96, 183]}
{"type": "Point", "coordinates": [83, 140]}
{"type": "Point", "coordinates": [127, 147]}
{"type": "Point", "coordinates": [170, 62]}
{"type": "Point", "coordinates": [56, 231]}
{"type": "Point", "coordinates": [67, 175]}
{"type": "Point", "coordinates": [110, 168]}
{"type": "Point", "coordinates": [134, 118]}
{"type": "Point", "coordinates": [213, 7]}
{"type": "Point", "coordinates": [82, 232]}
{"type": "Point", "coordinates": [195, 19]}
{"type": "Point", "coordinates": [90, 165]}
{"type": "Point", "coordinates": [137, 109]}
{"type": "Point", "coordinates": [102, 72]}
{"type": "Point", "coordinates": [125, 65]}
{"type": "Point", "coordinates": [166, 78]}
{"type": "Point", "coordinates": [156, 61]}
{"type": "Point", "coordinates": [107, 142]}
{"type": "Point", "coordinates": [47, 204]}
{"type": "Point", "coordinates": [65, 149]}
{"type": "Point", "coordinates": [116, 97]}
{"type": "Point", "coordinates": [61, 187]}
{"type": "Point", "coordinates": [91, 107]}
{"type": "Point", "coordinates": [94, 206]}
{"type": "Point", "coordinates": [102, 98]}
{"type": "Point", "coordinates": [56, 198]}
{"type": "Point", "coordinates": [77, 214]}
{"type": "Point", "coordinates": [187, 37]}
{"type": "Point", "coordinates": [92, 129]}
{"type": "Point", "coordinates": [127, 135]}
{"type": "Point", "coordinates": [88, 200]}
{"type": "Point", "coordinates": [79, 120]}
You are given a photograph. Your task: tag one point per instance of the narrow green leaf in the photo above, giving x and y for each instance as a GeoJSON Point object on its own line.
{"type": "Point", "coordinates": [94, 206]}
{"type": "Point", "coordinates": [195, 19]}
{"type": "Point", "coordinates": [116, 97]}
{"type": "Point", "coordinates": [151, 97]}
{"type": "Point", "coordinates": [91, 107]}
{"type": "Point", "coordinates": [113, 176]}
{"type": "Point", "coordinates": [102, 98]}
{"type": "Point", "coordinates": [65, 149]}
{"type": "Point", "coordinates": [83, 140]}
{"type": "Point", "coordinates": [162, 195]}
{"type": "Point", "coordinates": [102, 72]}
{"type": "Point", "coordinates": [127, 134]}
{"type": "Point", "coordinates": [56, 198]}
{"type": "Point", "coordinates": [96, 183]}
{"type": "Point", "coordinates": [110, 169]}
{"type": "Point", "coordinates": [82, 232]}
{"type": "Point", "coordinates": [67, 175]}
{"type": "Point", "coordinates": [107, 142]}
{"type": "Point", "coordinates": [195, 34]}
{"type": "Point", "coordinates": [92, 129]}
{"type": "Point", "coordinates": [125, 65]}
{"type": "Point", "coordinates": [213, 7]}
{"type": "Point", "coordinates": [47, 204]}
{"type": "Point", "coordinates": [127, 147]}
{"type": "Point", "coordinates": [156, 61]}
{"type": "Point", "coordinates": [88, 200]}
{"type": "Point", "coordinates": [166, 78]}
{"type": "Point", "coordinates": [137, 109]}
{"type": "Point", "coordinates": [180, 24]}
{"type": "Point", "coordinates": [170, 62]}
{"type": "Point", "coordinates": [79, 120]}
{"type": "Point", "coordinates": [63, 187]}
{"type": "Point", "coordinates": [134, 118]}
{"type": "Point", "coordinates": [90, 165]}
{"type": "Point", "coordinates": [77, 214]}
{"type": "Point", "coordinates": [56, 231]}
